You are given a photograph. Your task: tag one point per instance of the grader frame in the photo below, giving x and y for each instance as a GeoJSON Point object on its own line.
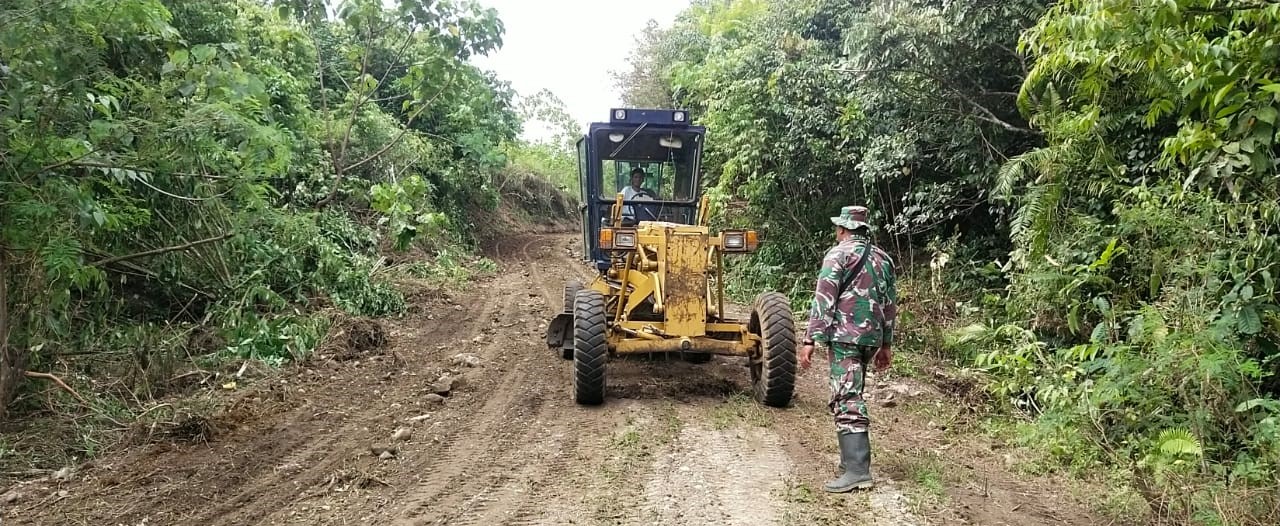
{"type": "Point", "coordinates": [659, 282]}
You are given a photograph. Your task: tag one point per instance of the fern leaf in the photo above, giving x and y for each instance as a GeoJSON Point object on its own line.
{"type": "Point", "coordinates": [1179, 442]}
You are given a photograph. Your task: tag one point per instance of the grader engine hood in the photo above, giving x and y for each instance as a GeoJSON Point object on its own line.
{"type": "Point", "coordinates": [682, 271]}
{"type": "Point", "coordinates": [671, 276]}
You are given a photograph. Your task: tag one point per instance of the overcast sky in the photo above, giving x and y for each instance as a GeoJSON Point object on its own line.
{"type": "Point", "coordinates": [569, 47]}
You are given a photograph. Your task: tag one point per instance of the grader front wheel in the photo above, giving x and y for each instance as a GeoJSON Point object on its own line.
{"type": "Point", "coordinates": [589, 347]}
{"type": "Point", "coordinates": [773, 365]}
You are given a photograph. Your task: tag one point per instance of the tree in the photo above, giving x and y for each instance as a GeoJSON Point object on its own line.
{"type": "Point", "coordinates": [437, 37]}
{"type": "Point", "coordinates": [164, 162]}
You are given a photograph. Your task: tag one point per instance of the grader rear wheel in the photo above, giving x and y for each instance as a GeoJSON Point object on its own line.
{"type": "Point", "coordinates": [773, 365]}
{"type": "Point", "coordinates": [590, 350]}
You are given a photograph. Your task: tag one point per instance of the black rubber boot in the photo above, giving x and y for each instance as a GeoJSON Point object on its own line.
{"type": "Point", "coordinates": [855, 458]}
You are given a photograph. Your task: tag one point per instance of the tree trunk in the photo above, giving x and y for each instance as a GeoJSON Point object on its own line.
{"type": "Point", "coordinates": [13, 361]}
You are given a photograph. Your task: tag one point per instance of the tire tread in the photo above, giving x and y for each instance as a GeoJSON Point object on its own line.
{"type": "Point", "coordinates": [590, 349]}
{"type": "Point", "coordinates": [773, 322]}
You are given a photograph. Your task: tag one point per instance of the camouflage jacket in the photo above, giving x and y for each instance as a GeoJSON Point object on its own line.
{"type": "Point", "coordinates": [865, 313]}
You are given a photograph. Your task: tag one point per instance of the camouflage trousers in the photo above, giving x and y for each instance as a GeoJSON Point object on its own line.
{"type": "Point", "coordinates": [848, 371]}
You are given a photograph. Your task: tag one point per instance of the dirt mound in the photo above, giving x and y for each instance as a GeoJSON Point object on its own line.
{"type": "Point", "coordinates": [351, 337]}
{"type": "Point", "coordinates": [205, 340]}
{"type": "Point", "coordinates": [190, 428]}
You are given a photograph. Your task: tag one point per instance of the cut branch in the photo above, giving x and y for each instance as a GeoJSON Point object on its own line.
{"type": "Point", "coordinates": [407, 126]}
{"type": "Point", "coordinates": [184, 246]}
{"type": "Point", "coordinates": [340, 156]}
{"type": "Point", "coordinates": [13, 361]}
{"type": "Point", "coordinates": [984, 114]}
{"type": "Point", "coordinates": [57, 165]}
{"type": "Point", "coordinates": [91, 164]}
{"type": "Point", "coordinates": [362, 98]}
{"type": "Point", "coordinates": [56, 380]}
{"type": "Point", "coordinates": [324, 94]}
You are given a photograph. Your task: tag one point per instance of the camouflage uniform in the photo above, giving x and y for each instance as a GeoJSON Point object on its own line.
{"type": "Point", "coordinates": [853, 316]}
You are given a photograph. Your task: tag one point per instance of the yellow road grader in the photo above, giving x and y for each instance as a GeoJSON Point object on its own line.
{"type": "Point", "coordinates": [659, 281]}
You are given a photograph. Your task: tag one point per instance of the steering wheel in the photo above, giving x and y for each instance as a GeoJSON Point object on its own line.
{"type": "Point", "coordinates": [644, 209]}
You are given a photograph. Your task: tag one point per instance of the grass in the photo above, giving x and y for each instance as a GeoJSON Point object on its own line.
{"type": "Point", "coordinates": [809, 505]}
{"type": "Point", "coordinates": [740, 409]}
{"type": "Point", "coordinates": [633, 447]}
{"type": "Point", "coordinates": [628, 441]}
{"type": "Point", "coordinates": [907, 365]}
{"type": "Point", "coordinates": [929, 477]}
{"type": "Point", "coordinates": [1119, 502]}
{"type": "Point", "coordinates": [671, 424]}
{"type": "Point", "coordinates": [800, 493]}
{"type": "Point", "coordinates": [928, 473]}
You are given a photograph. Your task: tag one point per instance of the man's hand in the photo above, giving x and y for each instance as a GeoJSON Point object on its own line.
{"type": "Point", "coordinates": [883, 359]}
{"type": "Point", "coordinates": [806, 356]}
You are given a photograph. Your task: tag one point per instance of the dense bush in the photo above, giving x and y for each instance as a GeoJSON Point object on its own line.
{"type": "Point", "coordinates": [209, 174]}
{"type": "Point", "coordinates": [1096, 181]}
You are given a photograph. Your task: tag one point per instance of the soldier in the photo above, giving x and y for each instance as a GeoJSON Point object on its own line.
{"type": "Point", "coordinates": [853, 314]}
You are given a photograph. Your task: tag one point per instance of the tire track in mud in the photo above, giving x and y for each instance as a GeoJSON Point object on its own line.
{"type": "Point", "coordinates": [570, 477]}
{"type": "Point", "coordinates": [331, 449]}
{"type": "Point", "coordinates": [484, 456]}
{"type": "Point", "coordinates": [710, 476]}
{"type": "Point", "coordinates": [426, 454]}
{"type": "Point", "coordinates": [550, 447]}
{"type": "Point", "coordinates": [472, 439]}
{"type": "Point", "coordinates": [537, 462]}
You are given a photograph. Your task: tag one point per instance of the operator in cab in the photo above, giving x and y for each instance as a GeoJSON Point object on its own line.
{"type": "Point", "coordinates": [634, 191]}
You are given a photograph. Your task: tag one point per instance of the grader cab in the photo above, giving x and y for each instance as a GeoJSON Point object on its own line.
{"type": "Point", "coordinates": [659, 281]}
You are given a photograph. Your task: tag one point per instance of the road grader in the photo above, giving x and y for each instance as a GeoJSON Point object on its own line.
{"type": "Point", "coordinates": [659, 280]}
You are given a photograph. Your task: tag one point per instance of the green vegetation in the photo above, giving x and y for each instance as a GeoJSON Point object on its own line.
{"type": "Point", "coordinates": [1091, 185]}
{"type": "Point", "coordinates": [183, 184]}
{"type": "Point", "coordinates": [928, 471]}
{"type": "Point", "coordinates": [740, 410]}
{"type": "Point", "coordinates": [1085, 195]}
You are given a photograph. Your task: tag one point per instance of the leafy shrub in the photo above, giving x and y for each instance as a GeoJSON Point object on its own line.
{"type": "Point", "coordinates": [1103, 188]}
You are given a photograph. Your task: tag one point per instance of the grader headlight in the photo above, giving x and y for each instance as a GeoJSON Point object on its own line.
{"type": "Point", "coordinates": [739, 241]}
{"type": "Point", "coordinates": [617, 239]}
{"type": "Point", "coordinates": [624, 239]}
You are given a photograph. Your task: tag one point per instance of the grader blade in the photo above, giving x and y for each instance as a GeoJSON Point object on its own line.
{"type": "Point", "coordinates": [560, 335]}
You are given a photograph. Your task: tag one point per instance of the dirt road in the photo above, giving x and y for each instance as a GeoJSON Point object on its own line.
{"type": "Point", "coordinates": [675, 443]}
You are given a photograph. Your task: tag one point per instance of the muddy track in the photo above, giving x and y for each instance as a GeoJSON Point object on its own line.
{"type": "Point", "coordinates": [675, 443]}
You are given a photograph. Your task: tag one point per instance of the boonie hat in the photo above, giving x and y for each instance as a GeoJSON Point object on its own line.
{"type": "Point", "coordinates": [852, 217]}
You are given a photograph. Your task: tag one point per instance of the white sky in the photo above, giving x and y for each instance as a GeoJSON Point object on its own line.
{"type": "Point", "coordinates": [569, 47]}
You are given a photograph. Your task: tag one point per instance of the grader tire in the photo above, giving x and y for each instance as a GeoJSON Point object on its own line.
{"type": "Point", "coordinates": [773, 368]}
{"type": "Point", "coordinates": [570, 293]}
{"type": "Point", "coordinates": [590, 350]}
